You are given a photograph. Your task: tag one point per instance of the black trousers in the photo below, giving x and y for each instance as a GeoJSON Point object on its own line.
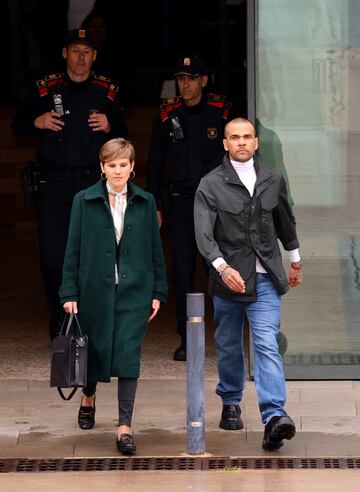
{"type": "Point", "coordinates": [185, 253]}
{"type": "Point", "coordinates": [126, 398]}
{"type": "Point", "coordinates": [54, 202]}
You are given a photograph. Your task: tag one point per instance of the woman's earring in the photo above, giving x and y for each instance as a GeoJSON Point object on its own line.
{"type": "Point", "coordinates": [132, 175]}
{"type": "Point", "coordinates": [103, 176]}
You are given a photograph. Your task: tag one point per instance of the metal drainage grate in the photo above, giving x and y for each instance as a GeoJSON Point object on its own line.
{"type": "Point", "coordinates": [177, 464]}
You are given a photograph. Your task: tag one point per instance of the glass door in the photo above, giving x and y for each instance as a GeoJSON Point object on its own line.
{"type": "Point", "coordinates": [306, 81]}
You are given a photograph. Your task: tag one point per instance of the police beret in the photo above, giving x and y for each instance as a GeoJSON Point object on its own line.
{"type": "Point", "coordinates": [80, 36]}
{"type": "Point", "coordinates": [192, 66]}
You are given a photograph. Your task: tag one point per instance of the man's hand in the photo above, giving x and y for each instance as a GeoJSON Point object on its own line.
{"type": "Point", "coordinates": [98, 122]}
{"type": "Point", "coordinates": [49, 121]}
{"type": "Point", "coordinates": [295, 274]}
{"type": "Point", "coordinates": [232, 278]}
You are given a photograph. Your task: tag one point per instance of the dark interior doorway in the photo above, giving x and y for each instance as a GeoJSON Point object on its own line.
{"type": "Point", "coordinates": [144, 40]}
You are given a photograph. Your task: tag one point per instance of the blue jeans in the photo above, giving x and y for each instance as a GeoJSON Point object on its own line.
{"type": "Point", "coordinates": [264, 319]}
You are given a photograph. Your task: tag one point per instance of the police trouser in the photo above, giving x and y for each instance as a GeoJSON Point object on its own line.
{"type": "Point", "coordinates": [56, 192]}
{"type": "Point", "coordinates": [184, 251]}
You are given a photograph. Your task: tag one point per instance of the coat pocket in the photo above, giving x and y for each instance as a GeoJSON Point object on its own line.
{"type": "Point", "coordinates": [231, 217]}
{"type": "Point", "coordinates": [228, 206]}
{"type": "Point", "coordinates": [268, 204]}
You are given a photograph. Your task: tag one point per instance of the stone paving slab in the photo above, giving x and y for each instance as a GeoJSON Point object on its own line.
{"type": "Point", "coordinates": [334, 386]}
{"type": "Point", "coordinates": [357, 404]}
{"type": "Point", "coordinates": [294, 448]}
{"type": "Point", "coordinates": [8, 385]}
{"type": "Point", "coordinates": [332, 445]}
{"type": "Point", "coordinates": [331, 425]}
{"type": "Point", "coordinates": [322, 408]}
{"type": "Point", "coordinates": [210, 481]}
{"type": "Point", "coordinates": [35, 422]}
{"type": "Point", "coordinates": [340, 394]}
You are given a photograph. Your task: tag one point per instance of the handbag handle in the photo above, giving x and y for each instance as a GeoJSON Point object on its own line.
{"type": "Point", "coordinates": [74, 390]}
{"type": "Point", "coordinates": [72, 316]}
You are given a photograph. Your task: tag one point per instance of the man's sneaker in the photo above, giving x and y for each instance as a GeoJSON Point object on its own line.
{"type": "Point", "coordinates": [230, 418]}
{"type": "Point", "coordinates": [277, 429]}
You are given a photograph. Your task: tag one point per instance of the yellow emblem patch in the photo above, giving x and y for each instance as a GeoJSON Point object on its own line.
{"type": "Point", "coordinates": [212, 133]}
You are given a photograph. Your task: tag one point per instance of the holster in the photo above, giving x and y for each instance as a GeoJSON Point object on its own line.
{"type": "Point", "coordinates": [30, 178]}
{"type": "Point", "coordinates": [165, 200]}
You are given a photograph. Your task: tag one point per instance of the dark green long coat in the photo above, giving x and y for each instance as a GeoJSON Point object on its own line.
{"type": "Point", "coordinates": [115, 320]}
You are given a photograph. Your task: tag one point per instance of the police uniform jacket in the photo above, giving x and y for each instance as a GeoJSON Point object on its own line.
{"type": "Point", "coordinates": [76, 145]}
{"type": "Point", "coordinates": [229, 223]}
{"type": "Point", "coordinates": [189, 140]}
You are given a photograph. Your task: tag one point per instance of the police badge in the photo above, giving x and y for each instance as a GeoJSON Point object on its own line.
{"type": "Point", "coordinates": [212, 133]}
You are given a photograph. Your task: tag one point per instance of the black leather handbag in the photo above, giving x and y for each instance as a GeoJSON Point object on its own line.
{"type": "Point", "coordinates": [69, 352]}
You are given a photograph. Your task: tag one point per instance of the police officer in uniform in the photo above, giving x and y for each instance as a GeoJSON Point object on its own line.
{"type": "Point", "coordinates": [187, 140]}
{"type": "Point", "coordinates": [74, 114]}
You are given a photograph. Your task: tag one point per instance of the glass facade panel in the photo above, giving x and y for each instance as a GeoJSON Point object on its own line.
{"type": "Point", "coordinates": [308, 118]}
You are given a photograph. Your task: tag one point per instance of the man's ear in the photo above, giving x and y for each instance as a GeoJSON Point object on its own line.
{"type": "Point", "coordinates": [204, 80]}
{"type": "Point", "coordinates": [64, 53]}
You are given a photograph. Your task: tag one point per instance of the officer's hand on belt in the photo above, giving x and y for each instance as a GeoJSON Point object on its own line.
{"type": "Point", "coordinates": [99, 122]}
{"type": "Point", "coordinates": [49, 121]}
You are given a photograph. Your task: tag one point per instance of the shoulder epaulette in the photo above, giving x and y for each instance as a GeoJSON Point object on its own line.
{"type": "Point", "coordinates": [219, 101]}
{"type": "Point", "coordinates": [112, 89]}
{"type": "Point", "coordinates": [169, 104]}
{"type": "Point", "coordinates": [48, 81]}
{"type": "Point", "coordinates": [96, 76]}
{"type": "Point", "coordinates": [227, 107]}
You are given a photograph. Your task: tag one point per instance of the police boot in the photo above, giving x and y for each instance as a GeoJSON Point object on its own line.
{"type": "Point", "coordinates": [180, 352]}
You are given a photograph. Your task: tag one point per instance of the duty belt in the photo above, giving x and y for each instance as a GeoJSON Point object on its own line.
{"type": "Point", "coordinates": [181, 194]}
{"type": "Point", "coordinates": [184, 192]}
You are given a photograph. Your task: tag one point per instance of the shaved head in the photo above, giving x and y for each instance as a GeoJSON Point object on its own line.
{"type": "Point", "coordinates": [237, 120]}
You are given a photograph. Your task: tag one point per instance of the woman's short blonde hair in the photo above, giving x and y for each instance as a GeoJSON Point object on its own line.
{"type": "Point", "coordinates": [117, 148]}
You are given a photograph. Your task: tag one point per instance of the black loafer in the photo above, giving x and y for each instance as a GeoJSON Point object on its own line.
{"type": "Point", "coordinates": [126, 444]}
{"type": "Point", "coordinates": [86, 417]}
{"type": "Point", "coordinates": [230, 418]}
{"type": "Point", "coordinates": [277, 429]}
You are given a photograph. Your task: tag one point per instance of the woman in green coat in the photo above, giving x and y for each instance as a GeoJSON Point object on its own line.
{"type": "Point", "coordinates": [114, 277]}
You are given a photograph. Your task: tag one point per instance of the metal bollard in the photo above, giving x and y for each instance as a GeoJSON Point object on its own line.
{"type": "Point", "coordinates": [195, 356]}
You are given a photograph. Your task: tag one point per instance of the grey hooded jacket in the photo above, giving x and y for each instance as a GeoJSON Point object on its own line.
{"type": "Point", "coordinates": [229, 223]}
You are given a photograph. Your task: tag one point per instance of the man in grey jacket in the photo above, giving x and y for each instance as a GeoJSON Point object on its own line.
{"type": "Point", "coordinates": [241, 211]}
